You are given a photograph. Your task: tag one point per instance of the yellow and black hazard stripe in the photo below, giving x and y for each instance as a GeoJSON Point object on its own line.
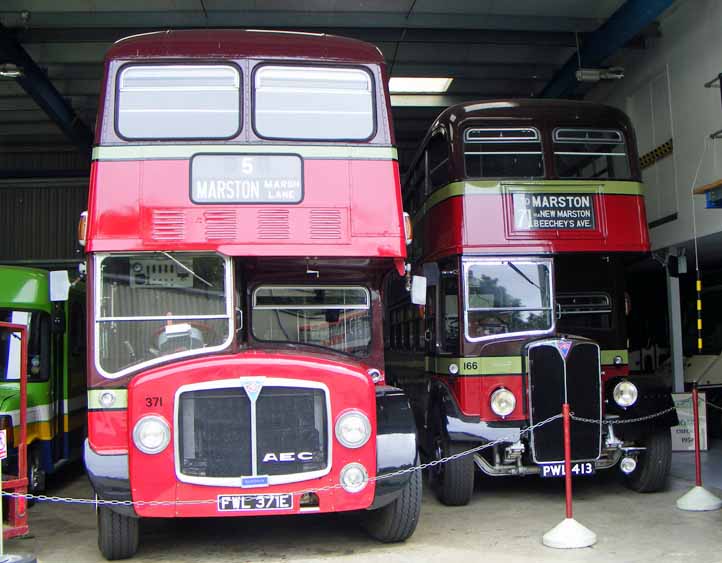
{"type": "Point", "coordinates": [655, 155]}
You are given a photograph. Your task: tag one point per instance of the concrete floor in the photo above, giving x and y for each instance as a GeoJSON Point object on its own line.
{"type": "Point", "coordinates": [504, 522]}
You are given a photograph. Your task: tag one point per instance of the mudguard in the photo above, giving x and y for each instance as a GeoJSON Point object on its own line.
{"type": "Point", "coordinates": [457, 427]}
{"type": "Point", "coordinates": [396, 446]}
{"type": "Point", "coordinates": [109, 477]}
{"type": "Point", "coordinates": [653, 397]}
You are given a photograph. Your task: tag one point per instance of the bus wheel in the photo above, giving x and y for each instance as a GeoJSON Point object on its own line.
{"type": "Point", "coordinates": [117, 534]}
{"type": "Point", "coordinates": [36, 475]}
{"type": "Point", "coordinates": [397, 521]}
{"type": "Point", "coordinates": [653, 464]}
{"type": "Point", "coordinates": [452, 481]}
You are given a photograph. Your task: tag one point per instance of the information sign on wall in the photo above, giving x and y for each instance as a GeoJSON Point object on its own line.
{"type": "Point", "coordinates": [683, 433]}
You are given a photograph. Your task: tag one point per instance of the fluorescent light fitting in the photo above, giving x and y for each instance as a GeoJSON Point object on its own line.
{"type": "Point", "coordinates": [418, 85]}
{"type": "Point", "coordinates": [10, 70]}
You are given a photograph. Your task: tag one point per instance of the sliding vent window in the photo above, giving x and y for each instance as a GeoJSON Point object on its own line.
{"type": "Point", "coordinates": [591, 153]}
{"type": "Point", "coordinates": [314, 103]}
{"type": "Point", "coordinates": [332, 317]}
{"type": "Point", "coordinates": [503, 153]}
{"type": "Point", "coordinates": [179, 102]}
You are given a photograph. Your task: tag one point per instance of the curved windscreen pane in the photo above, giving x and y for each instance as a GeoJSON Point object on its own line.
{"type": "Point", "coordinates": [179, 102]}
{"type": "Point", "coordinates": [155, 305]}
{"type": "Point", "coordinates": [316, 103]}
{"type": "Point", "coordinates": [333, 317]}
{"type": "Point", "coordinates": [507, 297]}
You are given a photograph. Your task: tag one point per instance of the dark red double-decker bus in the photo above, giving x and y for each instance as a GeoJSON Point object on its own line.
{"type": "Point", "coordinates": [244, 210]}
{"type": "Point", "coordinates": [526, 212]}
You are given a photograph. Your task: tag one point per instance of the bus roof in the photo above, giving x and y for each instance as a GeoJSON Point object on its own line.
{"type": "Point", "coordinates": [238, 43]}
{"type": "Point", "coordinates": [588, 113]}
{"type": "Point", "coordinates": [24, 288]}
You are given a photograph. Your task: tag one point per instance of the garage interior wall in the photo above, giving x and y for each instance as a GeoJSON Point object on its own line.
{"type": "Point", "coordinates": [663, 92]}
{"type": "Point", "coordinates": [39, 218]}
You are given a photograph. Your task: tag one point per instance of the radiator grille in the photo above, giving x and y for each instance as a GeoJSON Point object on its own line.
{"type": "Point", "coordinates": [216, 432]}
{"type": "Point", "coordinates": [551, 377]}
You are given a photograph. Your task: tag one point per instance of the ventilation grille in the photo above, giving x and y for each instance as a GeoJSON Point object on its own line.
{"type": "Point", "coordinates": [326, 224]}
{"type": "Point", "coordinates": [273, 224]}
{"type": "Point", "coordinates": [220, 224]}
{"type": "Point", "coordinates": [168, 225]}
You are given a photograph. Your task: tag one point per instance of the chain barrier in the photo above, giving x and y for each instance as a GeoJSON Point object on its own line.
{"type": "Point", "coordinates": [383, 476]}
{"type": "Point", "coordinates": [400, 472]}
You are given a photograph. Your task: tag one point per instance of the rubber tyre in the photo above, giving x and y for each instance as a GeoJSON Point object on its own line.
{"type": "Point", "coordinates": [653, 465]}
{"type": "Point", "coordinates": [397, 521]}
{"type": "Point", "coordinates": [454, 481]}
{"type": "Point", "coordinates": [37, 477]}
{"type": "Point", "coordinates": [117, 534]}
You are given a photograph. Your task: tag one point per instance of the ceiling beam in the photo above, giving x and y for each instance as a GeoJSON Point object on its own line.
{"type": "Point", "coordinates": [175, 17]}
{"type": "Point", "coordinates": [629, 20]}
{"type": "Point", "coordinates": [39, 87]}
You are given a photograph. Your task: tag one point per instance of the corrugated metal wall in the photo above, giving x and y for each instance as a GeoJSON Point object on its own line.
{"type": "Point", "coordinates": [39, 219]}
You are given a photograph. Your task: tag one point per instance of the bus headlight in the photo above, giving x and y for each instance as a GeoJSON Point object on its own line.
{"type": "Point", "coordinates": [151, 434]}
{"type": "Point", "coordinates": [353, 477]}
{"type": "Point", "coordinates": [353, 429]}
{"type": "Point", "coordinates": [502, 402]}
{"type": "Point", "coordinates": [625, 394]}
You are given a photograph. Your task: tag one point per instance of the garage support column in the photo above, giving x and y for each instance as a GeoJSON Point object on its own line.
{"type": "Point", "coordinates": [675, 320]}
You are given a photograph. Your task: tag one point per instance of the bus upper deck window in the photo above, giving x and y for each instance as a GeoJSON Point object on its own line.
{"type": "Point", "coordinates": [503, 153]}
{"type": "Point", "coordinates": [179, 102]}
{"type": "Point", "coordinates": [590, 153]}
{"type": "Point", "coordinates": [313, 103]}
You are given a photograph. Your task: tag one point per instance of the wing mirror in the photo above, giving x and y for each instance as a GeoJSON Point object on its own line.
{"type": "Point", "coordinates": [418, 290]}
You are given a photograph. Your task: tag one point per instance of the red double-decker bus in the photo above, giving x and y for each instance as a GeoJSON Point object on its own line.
{"type": "Point", "coordinates": [526, 213]}
{"type": "Point", "coordinates": [244, 211]}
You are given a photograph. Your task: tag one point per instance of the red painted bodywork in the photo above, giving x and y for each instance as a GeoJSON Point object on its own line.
{"type": "Point", "coordinates": [473, 394]}
{"type": "Point", "coordinates": [454, 227]}
{"type": "Point", "coordinates": [130, 199]}
{"type": "Point", "coordinates": [108, 431]}
{"type": "Point", "coordinates": [153, 477]}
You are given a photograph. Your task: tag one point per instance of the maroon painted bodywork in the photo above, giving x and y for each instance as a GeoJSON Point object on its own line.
{"type": "Point", "coordinates": [483, 225]}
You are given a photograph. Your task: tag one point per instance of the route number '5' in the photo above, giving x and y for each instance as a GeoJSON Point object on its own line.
{"type": "Point", "coordinates": [247, 165]}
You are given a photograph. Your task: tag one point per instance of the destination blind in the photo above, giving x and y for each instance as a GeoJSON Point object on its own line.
{"type": "Point", "coordinates": [553, 211]}
{"type": "Point", "coordinates": [231, 178]}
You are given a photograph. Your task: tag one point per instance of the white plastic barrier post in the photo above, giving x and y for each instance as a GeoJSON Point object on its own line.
{"type": "Point", "coordinates": [568, 534]}
{"type": "Point", "coordinates": [698, 499]}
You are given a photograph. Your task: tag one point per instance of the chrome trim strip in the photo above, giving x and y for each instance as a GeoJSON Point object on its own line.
{"type": "Point", "coordinates": [238, 383]}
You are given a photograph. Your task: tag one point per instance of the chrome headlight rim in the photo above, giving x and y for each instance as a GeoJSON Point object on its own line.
{"type": "Point", "coordinates": [621, 390]}
{"type": "Point", "coordinates": [366, 423]}
{"type": "Point", "coordinates": [351, 488]}
{"type": "Point", "coordinates": [496, 395]}
{"type": "Point", "coordinates": [138, 428]}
